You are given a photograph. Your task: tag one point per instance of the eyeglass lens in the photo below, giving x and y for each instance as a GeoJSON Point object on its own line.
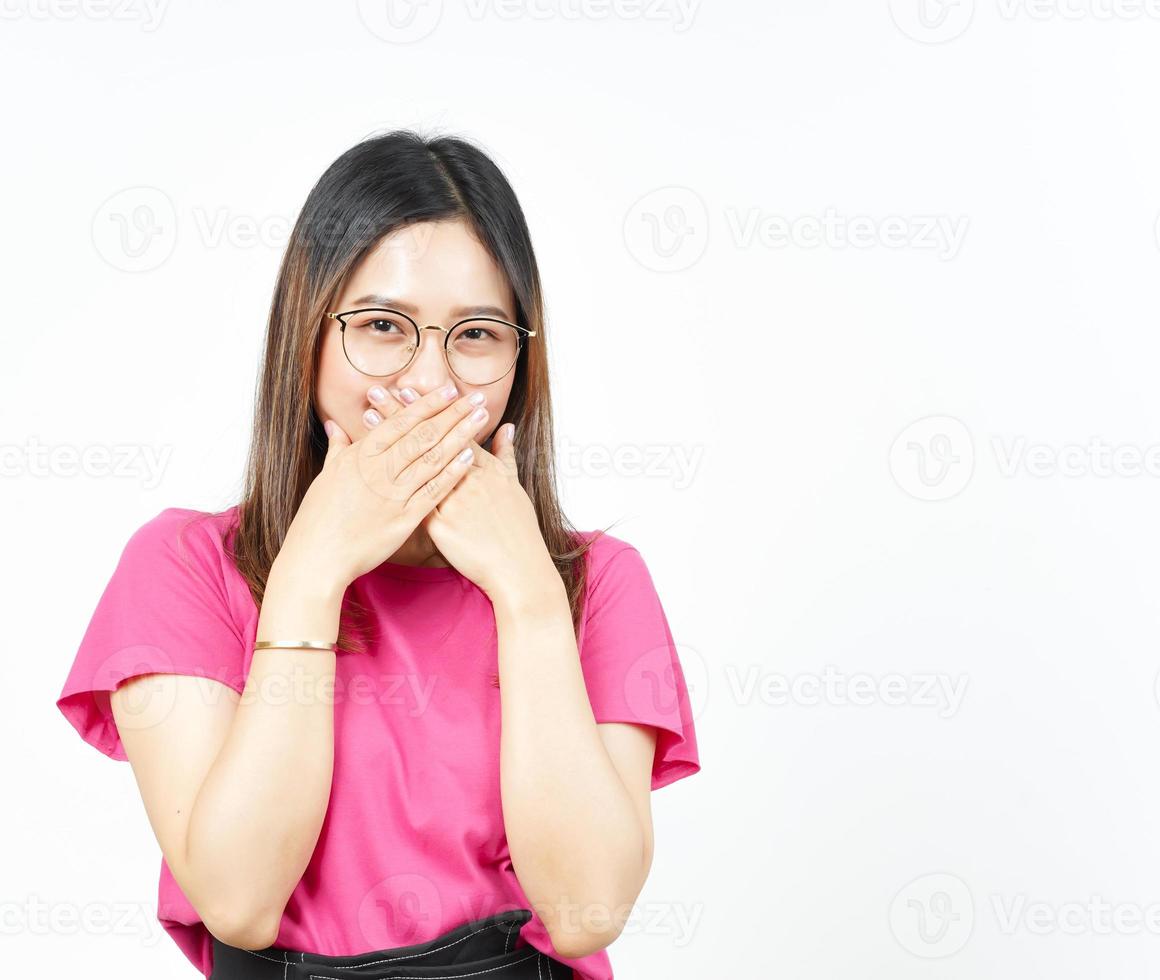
{"type": "Point", "coordinates": [381, 342]}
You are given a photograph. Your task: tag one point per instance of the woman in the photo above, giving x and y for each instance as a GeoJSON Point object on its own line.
{"type": "Point", "coordinates": [391, 715]}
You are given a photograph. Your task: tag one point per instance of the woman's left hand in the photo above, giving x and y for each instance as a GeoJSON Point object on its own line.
{"type": "Point", "coordinates": [486, 527]}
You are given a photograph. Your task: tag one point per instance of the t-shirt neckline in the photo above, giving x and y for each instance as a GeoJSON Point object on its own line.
{"type": "Point", "coordinates": [392, 569]}
{"type": "Point", "coordinates": [418, 573]}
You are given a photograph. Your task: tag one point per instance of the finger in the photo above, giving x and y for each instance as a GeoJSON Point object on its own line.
{"type": "Point", "coordinates": [428, 495]}
{"type": "Point", "coordinates": [430, 451]}
{"type": "Point", "coordinates": [337, 439]}
{"type": "Point", "coordinates": [503, 447]}
{"type": "Point", "coordinates": [383, 403]}
{"type": "Point", "coordinates": [482, 456]}
{"type": "Point", "coordinates": [390, 422]}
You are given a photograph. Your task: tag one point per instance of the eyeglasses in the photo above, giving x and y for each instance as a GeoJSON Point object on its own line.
{"type": "Point", "coordinates": [380, 342]}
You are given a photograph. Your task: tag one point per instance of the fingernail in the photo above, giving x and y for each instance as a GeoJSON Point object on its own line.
{"type": "Point", "coordinates": [407, 395]}
{"type": "Point", "coordinates": [511, 431]}
{"type": "Point", "coordinates": [477, 398]}
{"type": "Point", "coordinates": [329, 427]}
{"type": "Point", "coordinates": [371, 417]}
{"type": "Point", "coordinates": [450, 391]}
{"type": "Point", "coordinates": [377, 394]}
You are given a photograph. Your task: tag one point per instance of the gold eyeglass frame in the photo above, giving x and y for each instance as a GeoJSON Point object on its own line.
{"type": "Point", "coordinates": [521, 334]}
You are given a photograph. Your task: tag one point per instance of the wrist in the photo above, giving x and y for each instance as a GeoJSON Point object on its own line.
{"type": "Point", "coordinates": [544, 596]}
{"type": "Point", "coordinates": [298, 605]}
{"type": "Point", "coordinates": [306, 578]}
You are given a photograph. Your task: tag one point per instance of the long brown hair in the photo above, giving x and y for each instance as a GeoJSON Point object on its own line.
{"type": "Point", "coordinates": [384, 183]}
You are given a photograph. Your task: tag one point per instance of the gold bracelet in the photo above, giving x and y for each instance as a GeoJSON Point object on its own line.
{"type": "Point", "coordinates": [293, 645]}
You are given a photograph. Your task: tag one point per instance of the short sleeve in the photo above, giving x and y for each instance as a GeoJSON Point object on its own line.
{"type": "Point", "coordinates": [630, 663]}
{"type": "Point", "coordinates": [164, 610]}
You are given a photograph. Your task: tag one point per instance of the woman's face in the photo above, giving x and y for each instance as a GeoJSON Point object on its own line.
{"type": "Point", "coordinates": [438, 273]}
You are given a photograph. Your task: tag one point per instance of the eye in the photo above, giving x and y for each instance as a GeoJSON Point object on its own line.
{"type": "Point", "coordinates": [382, 326]}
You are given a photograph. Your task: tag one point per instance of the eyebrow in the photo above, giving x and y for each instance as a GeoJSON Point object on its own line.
{"type": "Point", "coordinates": [377, 299]}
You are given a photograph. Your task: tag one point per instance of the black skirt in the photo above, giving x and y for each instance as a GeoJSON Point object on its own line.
{"type": "Point", "coordinates": [483, 948]}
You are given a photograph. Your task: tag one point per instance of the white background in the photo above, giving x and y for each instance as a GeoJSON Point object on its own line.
{"type": "Point", "coordinates": [885, 274]}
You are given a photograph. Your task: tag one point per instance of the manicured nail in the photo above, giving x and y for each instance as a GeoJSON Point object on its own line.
{"type": "Point", "coordinates": [478, 398]}
{"type": "Point", "coordinates": [450, 391]}
{"type": "Point", "coordinates": [465, 456]}
{"type": "Point", "coordinates": [371, 417]}
{"type": "Point", "coordinates": [407, 395]}
{"type": "Point", "coordinates": [511, 432]}
{"type": "Point", "coordinates": [377, 394]}
{"type": "Point", "coordinates": [329, 427]}
{"type": "Point", "coordinates": [478, 414]}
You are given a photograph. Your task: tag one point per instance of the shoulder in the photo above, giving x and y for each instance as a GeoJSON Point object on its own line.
{"type": "Point", "coordinates": [603, 548]}
{"type": "Point", "coordinates": [616, 572]}
{"type": "Point", "coordinates": [179, 524]}
{"type": "Point", "coordinates": [193, 536]}
{"type": "Point", "coordinates": [169, 607]}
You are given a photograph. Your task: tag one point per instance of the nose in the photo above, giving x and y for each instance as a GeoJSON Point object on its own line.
{"type": "Point", "coordinates": [428, 369]}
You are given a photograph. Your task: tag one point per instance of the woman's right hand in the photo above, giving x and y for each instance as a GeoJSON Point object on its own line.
{"type": "Point", "coordinates": [371, 494]}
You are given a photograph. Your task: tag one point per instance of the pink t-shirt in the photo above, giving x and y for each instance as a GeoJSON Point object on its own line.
{"type": "Point", "coordinates": [413, 842]}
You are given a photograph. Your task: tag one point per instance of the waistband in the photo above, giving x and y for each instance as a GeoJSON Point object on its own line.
{"type": "Point", "coordinates": [487, 949]}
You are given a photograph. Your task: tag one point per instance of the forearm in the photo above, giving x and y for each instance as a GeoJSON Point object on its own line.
{"type": "Point", "coordinates": [575, 837]}
{"type": "Point", "coordinates": [257, 817]}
